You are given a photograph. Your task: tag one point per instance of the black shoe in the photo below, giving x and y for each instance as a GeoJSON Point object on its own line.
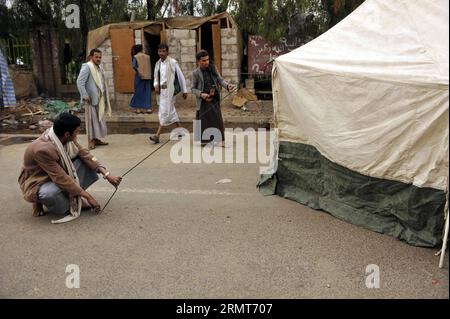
{"type": "Point", "coordinates": [154, 138]}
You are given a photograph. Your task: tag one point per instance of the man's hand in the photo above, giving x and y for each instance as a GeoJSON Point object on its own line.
{"type": "Point", "coordinates": [114, 180]}
{"type": "Point", "coordinates": [157, 90]}
{"type": "Point", "coordinates": [204, 96]}
{"type": "Point", "coordinates": [91, 201]}
{"type": "Point", "coordinates": [185, 96]}
{"type": "Point", "coordinates": [231, 87]}
{"type": "Point", "coordinates": [75, 141]}
{"type": "Point", "coordinates": [87, 99]}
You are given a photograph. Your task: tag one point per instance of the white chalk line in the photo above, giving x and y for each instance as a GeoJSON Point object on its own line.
{"type": "Point", "coordinates": [170, 191]}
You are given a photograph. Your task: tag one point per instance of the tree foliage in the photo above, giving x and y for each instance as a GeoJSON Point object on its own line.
{"type": "Point", "coordinates": [27, 14]}
{"type": "Point", "coordinates": [272, 19]}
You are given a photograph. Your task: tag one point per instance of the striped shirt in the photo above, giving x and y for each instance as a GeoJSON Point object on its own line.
{"type": "Point", "coordinates": [6, 85]}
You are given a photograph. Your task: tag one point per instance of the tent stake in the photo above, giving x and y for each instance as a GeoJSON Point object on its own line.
{"type": "Point", "coordinates": [444, 244]}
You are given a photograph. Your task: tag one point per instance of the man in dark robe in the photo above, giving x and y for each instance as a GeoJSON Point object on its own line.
{"type": "Point", "coordinates": [206, 84]}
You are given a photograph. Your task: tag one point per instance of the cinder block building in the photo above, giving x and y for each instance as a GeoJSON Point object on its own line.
{"type": "Point", "coordinates": [218, 34]}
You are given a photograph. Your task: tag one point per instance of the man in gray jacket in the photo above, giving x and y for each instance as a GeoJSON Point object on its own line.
{"type": "Point", "coordinates": [94, 94]}
{"type": "Point", "coordinates": [206, 84]}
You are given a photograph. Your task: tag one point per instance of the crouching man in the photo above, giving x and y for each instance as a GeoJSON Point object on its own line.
{"type": "Point", "coordinates": [57, 170]}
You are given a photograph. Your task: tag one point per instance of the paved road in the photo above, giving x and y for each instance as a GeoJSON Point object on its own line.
{"type": "Point", "coordinates": [172, 232]}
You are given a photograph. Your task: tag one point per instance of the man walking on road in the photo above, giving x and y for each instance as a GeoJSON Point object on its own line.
{"type": "Point", "coordinates": [169, 81]}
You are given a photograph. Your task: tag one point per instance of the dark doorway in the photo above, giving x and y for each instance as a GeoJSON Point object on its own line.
{"type": "Point", "coordinates": [151, 48]}
{"type": "Point", "coordinates": [206, 40]}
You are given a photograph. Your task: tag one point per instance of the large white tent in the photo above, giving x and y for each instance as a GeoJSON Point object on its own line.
{"type": "Point", "coordinates": [362, 114]}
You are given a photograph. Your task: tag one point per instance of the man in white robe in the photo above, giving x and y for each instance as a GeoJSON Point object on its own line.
{"type": "Point", "coordinates": [168, 79]}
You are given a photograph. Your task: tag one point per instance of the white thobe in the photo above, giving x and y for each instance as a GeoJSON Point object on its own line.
{"type": "Point", "coordinates": [167, 112]}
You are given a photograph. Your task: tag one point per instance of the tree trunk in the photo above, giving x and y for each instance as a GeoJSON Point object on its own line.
{"type": "Point", "coordinates": [222, 6]}
{"type": "Point", "coordinates": [84, 26]}
{"type": "Point", "coordinates": [269, 9]}
{"type": "Point", "coordinates": [176, 8]}
{"type": "Point", "coordinates": [150, 10]}
{"type": "Point", "coordinates": [153, 7]}
{"type": "Point", "coordinates": [191, 7]}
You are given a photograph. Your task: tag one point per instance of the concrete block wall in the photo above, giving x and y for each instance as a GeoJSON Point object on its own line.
{"type": "Point", "coordinates": [23, 81]}
{"type": "Point", "coordinates": [107, 64]}
{"type": "Point", "coordinates": [121, 102]}
{"type": "Point", "coordinates": [137, 37]}
{"type": "Point", "coordinates": [182, 47]}
{"type": "Point", "coordinates": [231, 55]}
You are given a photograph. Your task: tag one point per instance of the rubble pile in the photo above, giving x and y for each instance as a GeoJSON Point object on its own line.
{"type": "Point", "coordinates": [35, 113]}
{"type": "Point", "coordinates": [242, 97]}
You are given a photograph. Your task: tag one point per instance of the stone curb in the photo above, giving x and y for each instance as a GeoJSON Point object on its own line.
{"type": "Point", "coordinates": [154, 119]}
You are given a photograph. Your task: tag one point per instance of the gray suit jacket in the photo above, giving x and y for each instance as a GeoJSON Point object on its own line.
{"type": "Point", "coordinates": [198, 83]}
{"type": "Point", "coordinates": [86, 85]}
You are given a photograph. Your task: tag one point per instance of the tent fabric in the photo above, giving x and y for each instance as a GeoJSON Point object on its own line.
{"type": "Point", "coordinates": [97, 36]}
{"type": "Point", "coordinates": [407, 212]}
{"type": "Point", "coordinates": [371, 94]}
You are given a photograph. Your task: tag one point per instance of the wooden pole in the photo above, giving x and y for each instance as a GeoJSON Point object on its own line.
{"type": "Point", "coordinates": [444, 244]}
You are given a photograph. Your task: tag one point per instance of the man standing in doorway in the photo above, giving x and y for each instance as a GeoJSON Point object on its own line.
{"type": "Point", "coordinates": [142, 97]}
{"type": "Point", "coordinates": [169, 81]}
{"type": "Point", "coordinates": [91, 83]}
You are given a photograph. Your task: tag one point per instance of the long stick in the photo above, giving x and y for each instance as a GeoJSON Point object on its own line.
{"type": "Point", "coordinates": [153, 152]}
{"type": "Point", "coordinates": [87, 120]}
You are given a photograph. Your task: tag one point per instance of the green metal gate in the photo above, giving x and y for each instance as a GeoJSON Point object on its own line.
{"type": "Point", "coordinates": [17, 51]}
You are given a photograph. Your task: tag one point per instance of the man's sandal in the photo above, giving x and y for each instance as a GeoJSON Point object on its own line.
{"type": "Point", "coordinates": [38, 210]}
{"type": "Point", "coordinates": [154, 138]}
{"type": "Point", "coordinates": [99, 142]}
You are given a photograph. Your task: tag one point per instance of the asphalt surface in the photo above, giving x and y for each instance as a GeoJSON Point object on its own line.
{"type": "Point", "coordinates": [172, 232]}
